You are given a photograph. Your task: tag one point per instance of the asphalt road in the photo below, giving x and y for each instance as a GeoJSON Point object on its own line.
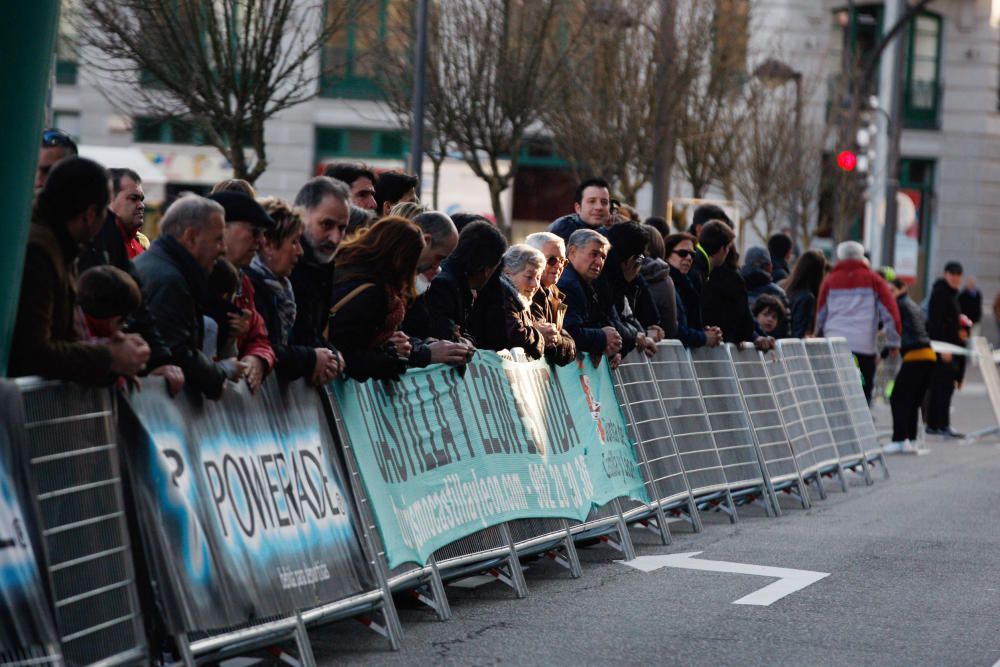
{"type": "Point", "coordinates": [914, 580]}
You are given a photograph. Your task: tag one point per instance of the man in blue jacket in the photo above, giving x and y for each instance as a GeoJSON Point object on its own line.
{"type": "Point", "coordinates": [592, 205]}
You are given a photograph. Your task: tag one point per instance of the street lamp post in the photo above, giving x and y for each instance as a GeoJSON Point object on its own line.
{"type": "Point", "coordinates": [776, 73]}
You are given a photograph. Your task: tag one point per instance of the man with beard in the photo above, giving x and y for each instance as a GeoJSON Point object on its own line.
{"type": "Point", "coordinates": [325, 212]}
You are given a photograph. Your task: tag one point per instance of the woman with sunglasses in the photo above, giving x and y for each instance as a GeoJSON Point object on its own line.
{"type": "Point", "coordinates": [679, 249]}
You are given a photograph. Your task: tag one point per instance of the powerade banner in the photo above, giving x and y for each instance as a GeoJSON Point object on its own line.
{"type": "Point", "coordinates": [26, 627]}
{"type": "Point", "coordinates": [444, 454]}
{"type": "Point", "coordinates": [242, 508]}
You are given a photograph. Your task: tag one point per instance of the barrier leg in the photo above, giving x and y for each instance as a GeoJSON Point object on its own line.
{"type": "Point", "coordinates": [441, 605]}
{"type": "Point", "coordinates": [302, 642]}
{"type": "Point", "coordinates": [628, 551]}
{"type": "Point", "coordinates": [803, 493]}
{"type": "Point", "coordinates": [516, 575]}
{"type": "Point", "coordinates": [184, 647]}
{"type": "Point", "coordinates": [569, 544]}
{"type": "Point", "coordinates": [729, 507]}
{"type": "Point", "coordinates": [843, 478]}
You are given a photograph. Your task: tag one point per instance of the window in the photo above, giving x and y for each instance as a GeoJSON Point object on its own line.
{"type": "Point", "coordinates": [162, 131]}
{"type": "Point", "coordinates": [66, 60]}
{"type": "Point", "coordinates": [351, 56]}
{"type": "Point", "coordinates": [922, 67]}
{"type": "Point", "coordinates": [335, 142]}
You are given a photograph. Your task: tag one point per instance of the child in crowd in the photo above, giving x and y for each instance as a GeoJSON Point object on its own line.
{"type": "Point", "coordinates": [769, 313]}
{"type": "Point", "coordinates": [105, 296]}
{"type": "Point", "coordinates": [220, 341]}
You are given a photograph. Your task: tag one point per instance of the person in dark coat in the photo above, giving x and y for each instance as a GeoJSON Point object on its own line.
{"type": "Point", "coordinates": [591, 317]}
{"type": "Point", "coordinates": [724, 304]}
{"type": "Point", "coordinates": [714, 241]}
{"type": "Point", "coordinates": [274, 296]}
{"type": "Point", "coordinates": [172, 274]}
{"type": "Point", "coordinates": [449, 301]}
{"type": "Point", "coordinates": [914, 376]}
{"type": "Point", "coordinates": [802, 288]}
{"type": "Point", "coordinates": [629, 290]}
{"type": "Point", "coordinates": [69, 211]}
{"type": "Point", "coordinates": [970, 300]}
{"type": "Point", "coordinates": [324, 203]}
{"type": "Point", "coordinates": [548, 306]}
{"type": "Point", "coordinates": [656, 273]}
{"type": "Point", "coordinates": [943, 312]}
{"type": "Point", "coordinates": [118, 242]}
{"type": "Point", "coordinates": [520, 280]}
{"type": "Point", "coordinates": [376, 270]}
{"type": "Point", "coordinates": [756, 274]}
{"type": "Point", "coordinates": [779, 247]}
{"type": "Point", "coordinates": [680, 252]}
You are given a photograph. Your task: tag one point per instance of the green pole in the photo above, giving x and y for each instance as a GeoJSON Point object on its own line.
{"type": "Point", "coordinates": [28, 33]}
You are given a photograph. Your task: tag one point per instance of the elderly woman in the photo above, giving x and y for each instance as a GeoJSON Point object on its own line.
{"type": "Point", "coordinates": [548, 305]}
{"type": "Point", "coordinates": [275, 300]}
{"type": "Point", "coordinates": [521, 278]}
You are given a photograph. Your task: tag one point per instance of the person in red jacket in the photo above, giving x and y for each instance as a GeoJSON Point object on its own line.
{"type": "Point", "coordinates": [245, 221]}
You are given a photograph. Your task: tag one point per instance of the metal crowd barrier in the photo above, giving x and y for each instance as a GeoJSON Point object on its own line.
{"type": "Point", "coordinates": [732, 431]}
{"type": "Point", "coordinates": [857, 405]}
{"type": "Point", "coordinates": [759, 397]}
{"type": "Point", "coordinates": [838, 412]}
{"type": "Point", "coordinates": [822, 448]}
{"type": "Point", "coordinates": [663, 475]}
{"type": "Point", "coordinates": [691, 428]}
{"type": "Point", "coordinates": [76, 485]}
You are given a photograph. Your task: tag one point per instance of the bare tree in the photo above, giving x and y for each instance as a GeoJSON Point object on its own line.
{"type": "Point", "coordinates": [226, 66]}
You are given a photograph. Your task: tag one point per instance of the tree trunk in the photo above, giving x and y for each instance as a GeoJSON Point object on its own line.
{"type": "Point", "coordinates": [502, 222]}
{"type": "Point", "coordinates": [665, 124]}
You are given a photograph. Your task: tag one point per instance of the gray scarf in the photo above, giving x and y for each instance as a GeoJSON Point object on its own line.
{"type": "Point", "coordinates": [284, 297]}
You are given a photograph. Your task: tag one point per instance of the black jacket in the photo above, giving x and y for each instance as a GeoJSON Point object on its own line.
{"type": "Point", "coordinates": [971, 303]}
{"type": "Point", "coordinates": [293, 361]}
{"type": "Point", "coordinates": [356, 324]}
{"type": "Point", "coordinates": [109, 248]}
{"type": "Point", "coordinates": [312, 282]}
{"type": "Point", "coordinates": [779, 269]}
{"type": "Point", "coordinates": [173, 287]}
{"type": "Point", "coordinates": [487, 324]}
{"type": "Point", "coordinates": [442, 312]}
{"type": "Point", "coordinates": [549, 305]}
{"type": "Point", "coordinates": [724, 305]}
{"type": "Point", "coordinates": [589, 308]}
{"type": "Point", "coordinates": [700, 269]}
{"type": "Point", "coordinates": [759, 282]}
{"type": "Point", "coordinates": [942, 313]}
{"type": "Point", "coordinates": [656, 273]}
{"type": "Point", "coordinates": [690, 330]}
{"type": "Point", "coordinates": [801, 313]}
{"type": "Point", "coordinates": [914, 335]}
{"type": "Point", "coordinates": [519, 326]}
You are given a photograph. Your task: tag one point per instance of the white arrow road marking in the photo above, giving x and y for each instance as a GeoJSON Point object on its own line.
{"type": "Point", "coordinates": [789, 580]}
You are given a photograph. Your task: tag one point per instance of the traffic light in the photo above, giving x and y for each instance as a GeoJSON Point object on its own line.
{"type": "Point", "coordinates": [864, 140]}
{"type": "Point", "coordinates": [847, 160]}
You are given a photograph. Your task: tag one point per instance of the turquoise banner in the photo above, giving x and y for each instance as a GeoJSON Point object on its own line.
{"type": "Point", "coordinates": [444, 454]}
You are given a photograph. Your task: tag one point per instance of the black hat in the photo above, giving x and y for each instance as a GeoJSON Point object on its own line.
{"type": "Point", "coordinates": [242, 208]}
{"type": "Point", "coordinates": [953, 267]}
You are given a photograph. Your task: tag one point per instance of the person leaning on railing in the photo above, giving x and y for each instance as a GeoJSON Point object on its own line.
{"type": "Point", "coordinates": [69, 211]}
{"type": "Point", "coordinates": [549, 303]}
{"type": "Point", "coordinates": [522, 273]}
{"type": "Point", "coordinates": [372, 285]}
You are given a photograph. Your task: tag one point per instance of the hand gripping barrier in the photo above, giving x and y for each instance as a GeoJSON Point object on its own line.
{"type": "Point", "coordinates": [664, 476]}
{"type": "Point", "coordinates": [820, 448]}
{"type": "Point", "coordinates": [857, 406]}
{"type": "Point", "coordinates": [732, 431]}
{"type": "Point", "coordinates": [76, 484]}
{"type": "Point", "coordinates": [775, 445]}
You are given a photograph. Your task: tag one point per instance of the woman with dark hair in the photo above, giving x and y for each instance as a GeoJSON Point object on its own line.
{"type": "Point", "coordinates": [679, 251]}
{"type": "Point", "coordinates": [463, 276]}
{"type": "Point", "coordinates": [629, 293]}
{"type": "Point", "coordinates": [656, 272]}
{"type": "Point", "coordinates": [372, 285]}
{"type": "Point", "coordinates": [724, 302]}
{"type": "Point", "coordinates": [802, 288]}
{"type": "Point", "coordinates": [274, 298]}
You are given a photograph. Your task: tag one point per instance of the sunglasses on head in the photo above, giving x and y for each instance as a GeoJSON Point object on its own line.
{"type": "Point", "coordinates": [683, 254]}
{"type": "Point", "coordinates": [53, 137]}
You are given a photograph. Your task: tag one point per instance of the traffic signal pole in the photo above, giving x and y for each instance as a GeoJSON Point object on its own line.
{"type": "Point", "coordinates": [891, 172]}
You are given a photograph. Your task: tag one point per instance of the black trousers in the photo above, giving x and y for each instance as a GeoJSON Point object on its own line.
{"type": "Point", "coordinates": [908, 393]}
{"type": "Point", "coordinates": [866, 363]}
{"type": "Point", "coordinates": [942, 386]}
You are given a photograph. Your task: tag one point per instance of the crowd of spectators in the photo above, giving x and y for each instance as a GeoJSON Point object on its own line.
{"type": "Point", "coordinates": [357, 277]}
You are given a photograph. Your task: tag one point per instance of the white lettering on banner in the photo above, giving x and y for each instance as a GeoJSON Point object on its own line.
{"type": "Point", "coordinates": [789, 580]}
{"type": "Point", "coordinates": [303, 577]}
{"type": "Point", "coordinates": [555, 487]}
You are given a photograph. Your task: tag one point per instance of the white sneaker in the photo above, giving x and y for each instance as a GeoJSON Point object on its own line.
{"type": "Point", "coordinates": [913, 449]}
{"type": "Point", "coordinates": [894, 447]}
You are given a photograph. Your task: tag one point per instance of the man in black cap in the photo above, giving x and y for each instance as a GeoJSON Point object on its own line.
{"type": "Point", "coordinates": [246, 220]}
{"type": "Point", "coordinates": [943, 314]}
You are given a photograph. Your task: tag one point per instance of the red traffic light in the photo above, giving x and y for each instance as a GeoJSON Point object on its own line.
{"type": "Point", "coordinates": [847, 160]}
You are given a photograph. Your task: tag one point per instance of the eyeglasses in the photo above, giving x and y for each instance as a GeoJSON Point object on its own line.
{"type": "Point", "coordinates": [684, 254]}
{"type": "Point", "coordinates": [553, 261]}
{"type": "Point", "coordinates": [54, 137]}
